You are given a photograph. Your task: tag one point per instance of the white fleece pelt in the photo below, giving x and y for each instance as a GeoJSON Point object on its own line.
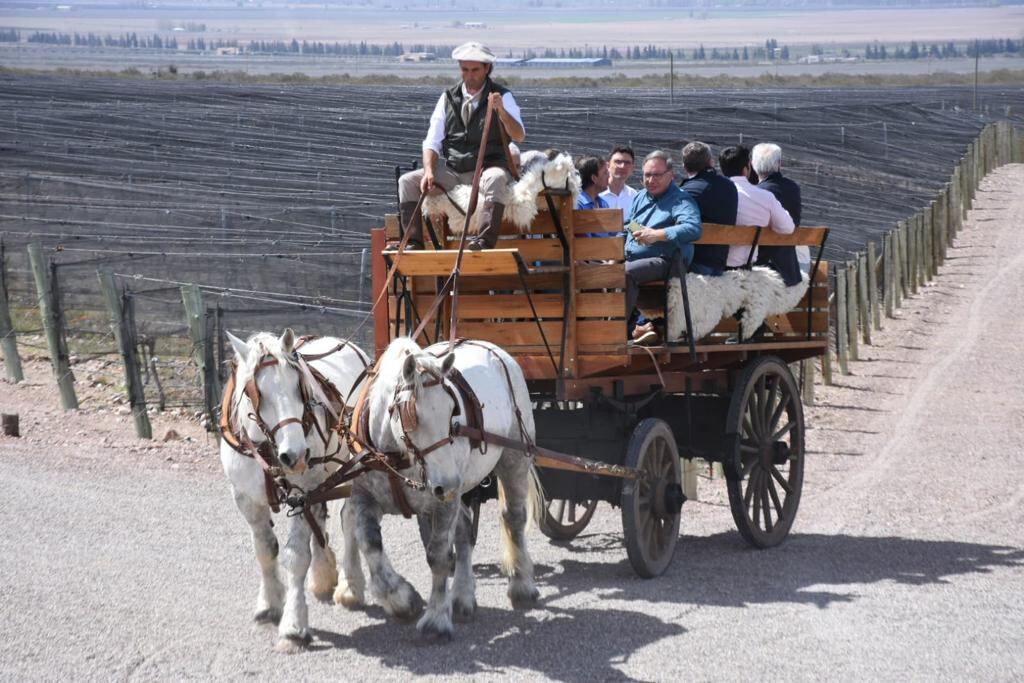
{"type": "Point", "coordinates": [536, 173]}
{"type": "Point", "coordinates": [759, 292]}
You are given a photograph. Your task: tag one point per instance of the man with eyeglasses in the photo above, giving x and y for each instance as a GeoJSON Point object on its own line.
{"type": "Point", "coordinates": [663, 223]}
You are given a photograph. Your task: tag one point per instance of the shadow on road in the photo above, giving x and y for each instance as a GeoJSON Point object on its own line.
{"type": "Point", "coordinates": [570, 643]}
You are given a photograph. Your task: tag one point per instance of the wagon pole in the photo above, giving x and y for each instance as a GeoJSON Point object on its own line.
{"type": "Point", "coordinates": [10, 343]}
{"type": "Point", "coordinates": [53, 324]}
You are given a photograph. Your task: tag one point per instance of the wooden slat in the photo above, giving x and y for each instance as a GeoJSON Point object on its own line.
{"type": "Point", "coordinates": [599, 248]}
{"type": "Point", "coordinates": [597, 220]}
{"type": "Point", "coordinates": [490, 262]}
{"type": "Point", "coordinates": [505, 284]}
{"type": "Point", "coordinates": [599, 333]}
{"type": "Point", "coordinates": [600, 276]}
{"type": "Point", "coordinates": [509, 306]}
{"type": "Point", "coordinates": [794, 322]}
{"type": "Point", "coordinates": [714, 233]}
{"type": "Point", "coordinates": [514, 337]}
{"type": "Point", "coordinates": [601, 305]}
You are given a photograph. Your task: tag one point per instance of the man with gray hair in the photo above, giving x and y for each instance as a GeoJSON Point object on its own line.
{"type": "Point", "coordinates": [717, 198]}
{"type": "Point", "coordinates": [663, 223]}
{"type": "Point", "coordinates": [455, 132]}
{"type": "Point", "coordinates": [766, 160]}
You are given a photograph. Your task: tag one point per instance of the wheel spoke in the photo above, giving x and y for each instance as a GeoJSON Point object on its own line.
{"type": "Point", "coordinates": [561, 511]}
{"type": "Point", "coordinates": [747, 467]}
{"type": "Point", "coordinates": [756, 485]}
{"type": "Point", "coordinates": [756, 418]}
{"type": "Point", "coordinates": [764, 503]}
{"type": "Point", "coordinates": [749, 446]}
{"type": "Point", "coordinates": [775, 498]}
{"type": "Point", "coordinates": [768, 407]}
{"type": "Point", "coordinates": [779, 478]}
{"type": "Point", "coordinates": [784, 430]}
{"type": "Point", "coordinates": [572, 512]}
{"type": "Point", "coordinates": [777, 413]}
{"type": "Point", "coordinates": [748, 494]}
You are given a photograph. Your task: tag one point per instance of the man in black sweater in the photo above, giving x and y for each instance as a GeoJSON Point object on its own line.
{"type": "Point", "coordinates": [766, 160]}
{"type": "Point", "coordinates": [716, 197]}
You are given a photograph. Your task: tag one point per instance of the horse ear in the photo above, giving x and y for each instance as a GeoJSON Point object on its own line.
{"type": "Point", "coordinates": [409, 369]}
{"type": "Point", "coordinates": [287, 341]}
{"type": "Point", "coordinates": [448, 363]}
{"type": "Point", "coordinates": [240, 347]}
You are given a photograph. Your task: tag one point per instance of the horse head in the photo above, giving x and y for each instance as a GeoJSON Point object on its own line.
{"type": "Point", "coordinates": [271, 398]}
{"type": "Point", "coordinates": [422, 419]}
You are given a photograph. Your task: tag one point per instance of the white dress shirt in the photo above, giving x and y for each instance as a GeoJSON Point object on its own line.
{"type": "Point", "coordinates": [435, 131]}
{"type": "Point", "coordinates": [758, 207]}
{"type": "Point", "coordinates": [622, 200]}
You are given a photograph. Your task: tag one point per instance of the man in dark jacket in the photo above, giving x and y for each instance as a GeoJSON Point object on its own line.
{"type": "Point", "coordinates": [766, 160]}
{"type": "Point", "coordinates": [455, 132]}
{"type": "Point", "coordinates": [716, 197]}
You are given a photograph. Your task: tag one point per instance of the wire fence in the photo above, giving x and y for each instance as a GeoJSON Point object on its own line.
{"type": "Point", "coordinates": [264, 195]}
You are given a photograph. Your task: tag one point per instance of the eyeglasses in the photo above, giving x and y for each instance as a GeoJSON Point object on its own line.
{"type": "Point", "coordinates": [653, 176]}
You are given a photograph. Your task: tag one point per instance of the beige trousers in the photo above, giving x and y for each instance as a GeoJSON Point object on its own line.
{"type": "Point", "coordinates": [493, 183]}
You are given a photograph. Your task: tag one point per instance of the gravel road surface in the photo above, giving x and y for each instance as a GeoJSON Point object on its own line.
{"type": "Point", "coordinates": [121, 560]}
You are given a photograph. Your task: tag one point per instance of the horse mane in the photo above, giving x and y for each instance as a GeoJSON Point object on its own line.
{"type": "Point", "coordinates": [260, 345]}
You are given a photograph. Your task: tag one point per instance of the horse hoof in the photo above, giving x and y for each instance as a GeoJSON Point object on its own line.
{"type": "Point", "coordinates": [523, 597]}
{"type": "Point", "coordinates": [267, 616]}
{"type": "Point", "coordinates": [404, 603]}
{"type": "Point", "coordinates": [463, 611]}
{"type": "Point", "coordinates": [437, 628]}
{"type": "Point", "coordinates": [293, 644]}
{"type": "Point", "coordinates": [348, 597]}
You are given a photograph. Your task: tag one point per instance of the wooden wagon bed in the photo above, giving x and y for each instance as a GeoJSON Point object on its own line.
{"type": "Point", "coordinates": [555, 300]}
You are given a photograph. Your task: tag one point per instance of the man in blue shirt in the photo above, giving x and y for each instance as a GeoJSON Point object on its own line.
{"type": "Point", "coordinates": [663, 221]}
{"type": "Point", "coordinates": [594, 180]}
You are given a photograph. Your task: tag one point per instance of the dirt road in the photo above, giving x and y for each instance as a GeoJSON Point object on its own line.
{"type": "Point", "coordinates": [907, 557]}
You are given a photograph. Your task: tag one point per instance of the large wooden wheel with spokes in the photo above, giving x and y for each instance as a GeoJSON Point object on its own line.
{"type": "Point", "coordinates": [765, 467]}
{"type": "Point", "coordinates": [651, 504]}
{"type": "Point", "coordinates": [565, 519]}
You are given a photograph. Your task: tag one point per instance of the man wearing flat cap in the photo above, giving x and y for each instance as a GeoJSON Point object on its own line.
{"type": "Point", "coordinates": [456, 128]}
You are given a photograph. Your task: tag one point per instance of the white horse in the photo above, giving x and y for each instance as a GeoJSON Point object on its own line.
{"type": "Point", "coordinates": [295, 416]}
{"type": "Point", "coordinates": [413, 405]}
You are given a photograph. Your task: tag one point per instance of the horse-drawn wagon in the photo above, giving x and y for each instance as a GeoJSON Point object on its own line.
{"type": "Point", "coordinates": [553, 298]}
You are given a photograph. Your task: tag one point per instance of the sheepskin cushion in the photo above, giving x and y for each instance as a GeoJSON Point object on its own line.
{"type": "Point", "coordinates": [536, 174]}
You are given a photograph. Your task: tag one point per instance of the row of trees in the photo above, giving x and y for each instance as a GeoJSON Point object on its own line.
{"type": "Point", "coordinates": [936, 51]}
{"type": "Point", "coordinates": [771, 49]}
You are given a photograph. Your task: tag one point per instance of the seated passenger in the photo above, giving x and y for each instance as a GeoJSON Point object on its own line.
{"type": "Point", "coordinates": [619, 195]}
{"type": "Point", "coordinates": [593, 181]}
{"type": "Point", "coordinates": [716, 197]}
{"type": "Point", "coordinates": [755, 206]}
{"type": "Point", "coordinates": [766, 159]}
{"type": "Point", "coordinates": [664, 221]}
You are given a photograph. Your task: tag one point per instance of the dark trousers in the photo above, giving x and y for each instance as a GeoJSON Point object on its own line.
{"type": "Point", "coordinates": [646, 270]}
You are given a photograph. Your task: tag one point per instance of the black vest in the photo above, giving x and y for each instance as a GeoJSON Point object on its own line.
{"type": "Point", "coordinates": [462, 142]}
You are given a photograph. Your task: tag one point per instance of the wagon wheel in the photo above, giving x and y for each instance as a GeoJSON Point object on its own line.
{"type": "Point", "coordinates": [565, 519]}
{"type": "Point", "coordinates": [765, 468]}
{"type": "Point", "coordinates": [651, 504]}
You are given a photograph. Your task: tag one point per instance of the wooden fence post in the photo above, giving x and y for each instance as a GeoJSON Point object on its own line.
{"type": "Point", "coordinates": [202, 350]}
{"type": "Point", "coordinates": [116, 306]}
{"type": "Point", "coordinates": [807, 376]}
{"type": "Point", "coordinates": [876, 311]}
{"type": "Point", "coordinates": [887, 268]}
{"type": "Point", "coordinates": [842, 323]}
{"type": "Point", "coordinates": [852, 310]}
{"type": "Point", "coordinates": [12, 361]}
{"type": "Point", "coordinates": [864, 297]}
{"type": "Point", "coordinates": [53, 325]}
{"type": "Point", "coordinates": [913, 270]}
{"type": "Point", "coordinates": [929, 244]}
{"type": "Point", "coordinates": [826, 367]}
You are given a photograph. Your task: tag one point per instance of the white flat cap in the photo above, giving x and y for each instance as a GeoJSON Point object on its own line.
{"type": "Point", "coordinates": [473, 52]}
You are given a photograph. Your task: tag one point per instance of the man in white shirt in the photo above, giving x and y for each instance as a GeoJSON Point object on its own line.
{"type": "Point", "coordinates": [455, 132]}
{"type": "Point", "coordinates": [619, 195]}
{"type": "Point", "coordinates": [755, 206]}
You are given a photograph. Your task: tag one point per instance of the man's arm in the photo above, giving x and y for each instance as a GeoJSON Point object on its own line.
{"type": "Point", "coordinates": [780, 222]}
{"type": "Point", "coordinates": [507, 109]}
{"type": "Point", "coordinates": [687, 227]}
{"type": "Point", "coordinates": [432, 145]}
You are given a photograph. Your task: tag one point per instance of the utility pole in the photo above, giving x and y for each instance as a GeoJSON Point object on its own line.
{"type": "Point", "coordinates": [976, 55]}
{"type": "Point", "coordinates": [671, 78]}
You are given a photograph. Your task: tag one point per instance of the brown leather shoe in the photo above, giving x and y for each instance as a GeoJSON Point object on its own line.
{"type": "Point", "coordinates": [489, 228]}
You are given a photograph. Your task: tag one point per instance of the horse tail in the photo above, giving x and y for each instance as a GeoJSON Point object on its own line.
{"type": "Point", "coordinates": [513, 557]}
